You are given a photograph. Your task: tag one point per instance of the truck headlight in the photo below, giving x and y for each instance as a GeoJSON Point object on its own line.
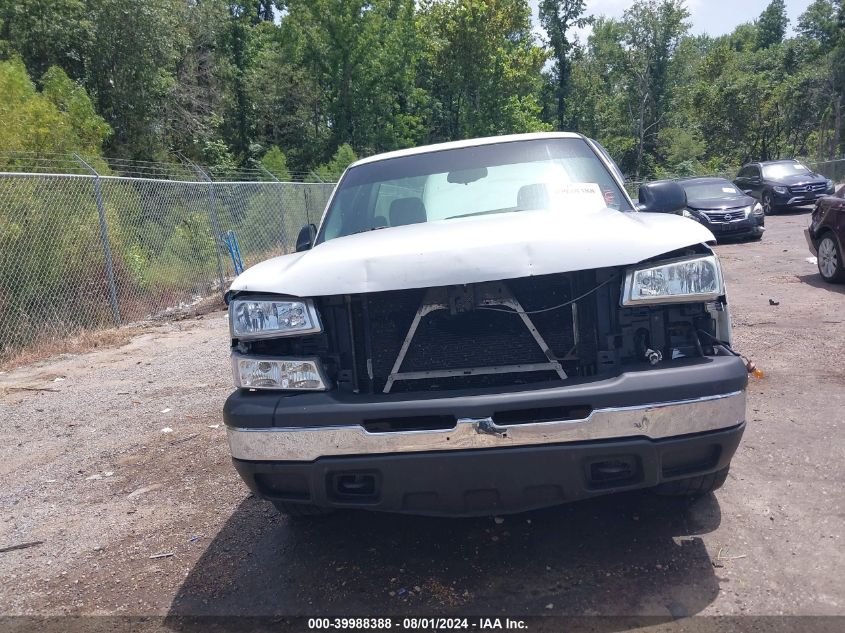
{"type": "Point", "coordinates": [674, 281]}
{"type": "Point", "coordinates": [756, 209]}
{"type": "Point", "coordinates": [780, 190]}
{"type": "Point", "coordinates": [264, 318]}
{"type": "Point", "coordinates": [297, 374]}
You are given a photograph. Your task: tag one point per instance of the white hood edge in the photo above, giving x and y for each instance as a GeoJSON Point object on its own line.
{"type": "Point", "coordinates": [472, 250]}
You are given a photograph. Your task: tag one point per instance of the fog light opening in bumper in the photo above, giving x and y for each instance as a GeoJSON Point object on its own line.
{"type": "Point", "coordinates": [614, 471]}
{"type": "Point", "coordinates": [354, 487]}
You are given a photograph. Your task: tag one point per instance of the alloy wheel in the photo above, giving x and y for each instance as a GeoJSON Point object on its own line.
{"type": "Point", "coordinates": [767, 204]}
{"type": "Point", "coordinates": [828, 258]}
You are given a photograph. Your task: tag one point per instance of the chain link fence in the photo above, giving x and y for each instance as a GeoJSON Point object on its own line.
{"type": "Point", "coordinates": [88, 243]}
{"type": "Point", "coordinates": [833, 169]}
{"type": "Point", "coordinates": [84, 250]}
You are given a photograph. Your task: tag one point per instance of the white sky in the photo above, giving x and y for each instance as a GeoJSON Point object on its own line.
{"type": "Point", "coordinates": [714, 17]}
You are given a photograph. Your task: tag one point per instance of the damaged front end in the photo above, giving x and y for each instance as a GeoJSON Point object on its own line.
{"type": "Point", "coordinates": [512, 333]}
{"type": "Point", "coordinates": [485, 327]}
{"type": "Point", "coordinates": [495, 396]}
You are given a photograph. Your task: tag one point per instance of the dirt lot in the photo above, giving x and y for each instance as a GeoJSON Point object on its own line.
{"type": "Point", "coordinates": [112, 457]}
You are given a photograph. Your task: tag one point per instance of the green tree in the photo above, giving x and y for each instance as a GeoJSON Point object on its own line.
{"type": "Point", "coordinates": [480, 68]}
{"type": "Point", "coordinates": [192, 114]}
{"type": "Point", "coordinates": [653, 30]}
{"type": "Point", "coordinates": [131, 69]}
{"type": "Point", "coordinates": [276, 163]}
{"type": "Point", "coordinates": [836, 85]}
{"type": "Point", "coordinates": [239, 48]}
{"type": "Point", "coordinates": [77, 110]}
{"type": "Point", "coordinates": [558, 18]}
{"type": "Point", "coordinates": [265, 9]}
{"type": "Point", "coordinates": [818, 23]}
{"type": "Point", "coordinates": [680, 146]}
{"type": "Point", "coordinates": [47, 33]}
{"type": "Point", "coordinates": [61, 118]}
{"type": "Point", "coordinates": [600, 79]}
{"type": "Point", "coordinates": [343, 158]}
{"type": "Point", "coordinates": [771, 26]}
{"type": "Point", "coordinates": [286, 104]}
{"type": "Point", "coordinates": [820, 49]}
{"type": "Point", "coordinates": [362, 54]}
{"type": "Point", "coordinates": [225, 82]}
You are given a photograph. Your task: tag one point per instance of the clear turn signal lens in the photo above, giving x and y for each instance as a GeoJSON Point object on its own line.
{"type": "Point", "coordinates": [287, 374]}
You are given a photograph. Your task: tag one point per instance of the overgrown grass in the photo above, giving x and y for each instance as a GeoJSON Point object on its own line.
{"type": "Point", "coordinates": [45, 346]}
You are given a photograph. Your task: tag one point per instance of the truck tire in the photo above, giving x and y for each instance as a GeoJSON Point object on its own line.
{"type": "Point", "coordinates": [300, 509]}
{"type": "Point", "coordinates": [694, 486]}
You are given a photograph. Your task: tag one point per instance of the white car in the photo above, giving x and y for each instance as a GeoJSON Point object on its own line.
{"type": "Point", "coordinates": [482, 327]}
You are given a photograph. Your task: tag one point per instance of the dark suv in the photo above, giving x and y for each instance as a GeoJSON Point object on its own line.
{"type": "Point", "coordinates": [779, 184]}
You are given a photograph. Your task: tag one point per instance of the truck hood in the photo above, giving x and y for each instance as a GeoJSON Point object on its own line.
{"type": "Point", "coordinates": [471, 250]}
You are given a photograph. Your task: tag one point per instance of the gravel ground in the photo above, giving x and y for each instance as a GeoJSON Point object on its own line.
{"type": "Point", "coordinates": [110, 458]}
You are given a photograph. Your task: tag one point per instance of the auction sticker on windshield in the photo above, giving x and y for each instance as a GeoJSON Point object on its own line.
{"type": "Point", "coordinates": [582, 195]}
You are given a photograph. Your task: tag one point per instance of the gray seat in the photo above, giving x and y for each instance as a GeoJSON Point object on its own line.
{"type": "Point", "coordinates": [534, 196]}
{"type": "Point", "coordinates": [407, 211]}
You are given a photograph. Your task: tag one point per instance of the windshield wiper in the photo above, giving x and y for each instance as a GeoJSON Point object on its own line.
{"type": "Point", "coordinates": [374, 228]}
{"type": "Point", "coordinates": [469, 215]}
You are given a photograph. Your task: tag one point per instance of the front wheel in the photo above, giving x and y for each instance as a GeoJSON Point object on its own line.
{"type": "Point", "coordinates": [694, 486]}
{"type": "Point", "coordinates": [830, 260]}
{"type": "Point", "coordinates": [768, 205]}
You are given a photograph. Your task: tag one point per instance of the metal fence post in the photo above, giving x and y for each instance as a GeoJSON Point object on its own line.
{"type": "Point", "coordinates": [215, 227]}
{"type": "Point", "coordinates": [307, 204]}
{"type": "Point", "coordinates": [212, 214]}
{"type": "Point", "coordinates": [283, 230]}
{"type": "Point", "coordinates": [104, 238]}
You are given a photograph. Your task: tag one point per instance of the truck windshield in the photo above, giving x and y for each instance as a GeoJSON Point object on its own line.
{"type": "Point", "coordinates": [564, 174]}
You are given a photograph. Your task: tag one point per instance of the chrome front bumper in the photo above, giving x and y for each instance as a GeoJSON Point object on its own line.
{"type": "Point", "coordinates": [653, 421]}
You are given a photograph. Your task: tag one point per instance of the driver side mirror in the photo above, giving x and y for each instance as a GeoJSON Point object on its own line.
{"type": "Point", "coordinates": [662, 197]}
{"type": "Point", "coordinates": [306, 237]}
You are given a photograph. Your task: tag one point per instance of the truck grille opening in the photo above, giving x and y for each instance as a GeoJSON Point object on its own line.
{"type": "Point", "coordinates": [544, 414]}
{"type": "Point", "coordinates": [476, 346]}
{"type": "Point", "coordinates": [413, 423]}
{"type": "Point", "coordinates": [522, 333]}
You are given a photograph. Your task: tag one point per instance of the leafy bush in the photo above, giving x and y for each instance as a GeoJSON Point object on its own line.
{"type": "Point", "coordinates": [61, 118]}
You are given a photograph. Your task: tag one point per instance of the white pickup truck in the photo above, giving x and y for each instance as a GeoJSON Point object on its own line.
{"type": "Point", "coordinates": [482, 327]}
